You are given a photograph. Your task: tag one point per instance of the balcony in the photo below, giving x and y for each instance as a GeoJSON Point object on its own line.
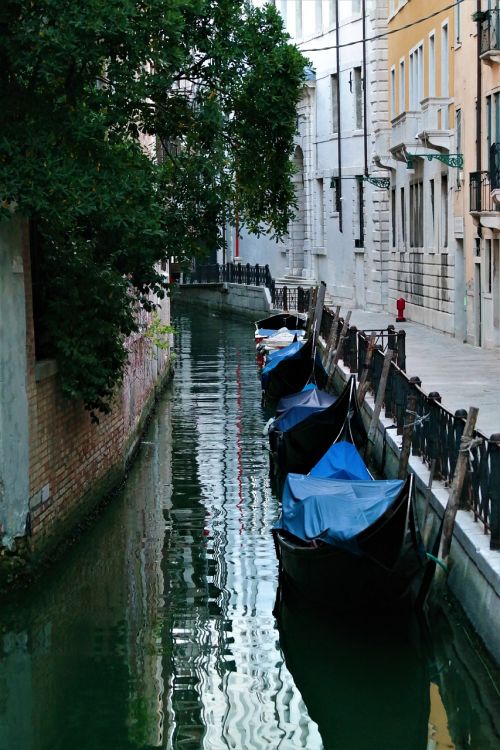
{"type": "Point", "coordinates": [403, 137]}
{"type": "Point", "coordinates": [434, 132]}
{"type": "Point", "coordinates": [490, 36]}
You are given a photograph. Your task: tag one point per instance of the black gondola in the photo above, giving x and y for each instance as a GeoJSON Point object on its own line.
{"type": "Point", "coordinates": [299, 448]}
{"type": "Point", "coordinates": [290, 374]}
{"type": "Point", "coordinates": [378, 568]}
{"type": "Point", "coordinates": [282, 320]}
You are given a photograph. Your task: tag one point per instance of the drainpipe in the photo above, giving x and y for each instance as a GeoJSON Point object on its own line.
{"type": "Point", "coordinates": [478, 93]}
{"type": "Point", "coordinates": [339, 140]}
{"type": "Point", "coordinates": [365, 126]}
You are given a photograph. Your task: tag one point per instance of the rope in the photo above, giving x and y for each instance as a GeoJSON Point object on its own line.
{"type": "Point", "coordinates": [418, 422]}
{"type": "Point", "coordinates": [438, 561]}
{"type": "Point", "coordinates": [468, 444]}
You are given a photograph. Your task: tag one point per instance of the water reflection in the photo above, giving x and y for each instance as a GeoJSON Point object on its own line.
{"type": "Point", "coordinates": [156, 630]}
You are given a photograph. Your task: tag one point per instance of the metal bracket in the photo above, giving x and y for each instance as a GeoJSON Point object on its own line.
{"type": "Point", "coordinates": [381, 182]}
{"type": "Point", "coordinates": [451, 160]}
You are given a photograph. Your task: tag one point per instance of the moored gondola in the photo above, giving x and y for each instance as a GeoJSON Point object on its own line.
{"type": "Point", "coordinates": [293, 409]}
{"type": "Point", "coordinates": [349, 545]}
{"type": "Point", "coordinates": [269, 326]}
{"type": "Point", "coordinates": [290, 369]}
{"type": "Point", "coordinates": [299, 447]}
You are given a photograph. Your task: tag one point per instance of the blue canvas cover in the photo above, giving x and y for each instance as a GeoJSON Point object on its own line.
{"type": "Point", "coordinates": [341, 461]}
{"type": "Point", "coordinates": [274, 358]}
{"type": "Point", "coordinates": [300, 405]}
{"type": "Point", "coordinates": [334, 510]}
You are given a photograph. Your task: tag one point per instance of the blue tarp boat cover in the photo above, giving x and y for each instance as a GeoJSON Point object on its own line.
{"type": "Point", "coordinates": [341, 461]}
{"type": "Point", "coordinates": [274, 358]}
{"type": "Point", "coordinates": [293, 409]}
{"type": "Point", "coordinates": [334, 510]}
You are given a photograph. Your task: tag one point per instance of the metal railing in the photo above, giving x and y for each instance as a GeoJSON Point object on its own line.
{"type": "Point", "coordinates": [282, 297]}
{"type": "Point", "coordinates": [353, 352]}
{"type": "Point", "coordinates": [437, 434]}
{"type": "Point", "coordinates": [490, 31]}
{"type": "Point", "coordinates": [235, 273]}
{"type": "Point", "coordinates": [481, 198]}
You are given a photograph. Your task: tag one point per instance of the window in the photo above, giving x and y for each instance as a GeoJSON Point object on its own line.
{"type": "Point", "coordinates": [416, 78]}
{"type": "Point", "coordinates": [332, 13]}
{"type": "Point", "coordinates": [432, 198]}
{"type": "Point", "coordinates": [318, 15]}
{"type": "Point", "coordinates": [488, 267]}
{"type": "Point", "coordinates": [358, 97]}
{"type": "Point", "coordinates": [444, 60]}
{"type": "Point", "coordinates": [401, 85]}
{"type": "Point", "coordinates": [444, 211]}
{"type": "Point", "coordinates": [416, 214]}
{"type": "Point", "coordinates": [393, 92]}
{"type": "Point", "coordinates": [298, 18]}
{"type": "Point", "coordinates": [356, 7]}
{"type": "Point", "coordinates": [335, 102]}
{"type": "Point", "coordinates": [432, 65]}
{"type": "Point", "coordinates": [359, 241]}
{"type": "Point", "coordinates": [403, 216]}
{"type": "Point", "coordinates": [393, 216]}
{"type": "Point", "coordinates": [320, 214]}
{"type": "Point", "coordinates": [336, 195]}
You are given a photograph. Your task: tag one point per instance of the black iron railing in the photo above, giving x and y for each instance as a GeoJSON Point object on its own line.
{"type": "Point", "coordinates": [494, 156]}
{"type": "Point", "coordinates": [480, 192]}
{"type": "Point", "coordinates": [490, 31]}
{"type": "Point", "coordinates": [282, 297]}
{"type": "Point", "coordinates": [237, 273]}
{"type": "Point", "coordinates": [436, 438]}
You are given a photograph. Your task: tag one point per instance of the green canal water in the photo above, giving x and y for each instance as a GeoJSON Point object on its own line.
{"type": "Point", "coordinates": [156, 629]}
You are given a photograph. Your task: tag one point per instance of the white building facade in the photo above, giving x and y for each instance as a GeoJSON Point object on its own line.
{"type": "Point", "coordinates": [341, 229]}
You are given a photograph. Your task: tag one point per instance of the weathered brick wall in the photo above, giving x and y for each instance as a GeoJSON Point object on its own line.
{"type": "Point", "coordinates": [73, 462]}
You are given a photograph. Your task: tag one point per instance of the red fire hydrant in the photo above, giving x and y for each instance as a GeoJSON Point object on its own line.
{"type": "Point", "coordinates": [400, 304]}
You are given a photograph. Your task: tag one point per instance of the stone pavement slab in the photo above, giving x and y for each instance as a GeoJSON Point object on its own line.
{"type": "Point", "coordinates": [464, 375]}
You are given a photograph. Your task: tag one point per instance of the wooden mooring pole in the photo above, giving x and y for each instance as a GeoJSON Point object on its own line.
{"type": "Point", "coordinates": [364, 382]}
{"type": "Point", "coordinates": [455, 492]}
{"type": "Point", "coordinates": [332, 339]}
{"type": "Point", "coordinates": [404, 457]}
{"type": "Point", "coordinates": [379, 400]}
{"type": "Point", "coordinates": [338, 351]}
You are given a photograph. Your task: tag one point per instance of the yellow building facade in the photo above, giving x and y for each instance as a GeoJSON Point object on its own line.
{"type": "Point", "coordinates": [477, 203]}
{"type": "Point", "coordinates": [423, 265]}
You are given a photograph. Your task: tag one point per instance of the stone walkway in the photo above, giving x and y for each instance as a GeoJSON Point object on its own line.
{"type": "Point", "coordinates": [464, 375]}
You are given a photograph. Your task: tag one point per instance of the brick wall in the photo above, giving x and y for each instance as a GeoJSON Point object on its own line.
{"type": "Point", "coordinates": [74, 463]}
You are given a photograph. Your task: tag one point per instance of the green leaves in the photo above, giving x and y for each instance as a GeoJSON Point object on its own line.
{"type": "Point", "coordinates": [129, 131]}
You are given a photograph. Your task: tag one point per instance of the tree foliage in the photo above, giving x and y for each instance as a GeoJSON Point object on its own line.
{"type": "Point", "coordinates": [215, 82]}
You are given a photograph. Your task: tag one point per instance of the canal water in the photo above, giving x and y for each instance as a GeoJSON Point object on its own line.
{"type": "Point", "coordinates": [156, 629]}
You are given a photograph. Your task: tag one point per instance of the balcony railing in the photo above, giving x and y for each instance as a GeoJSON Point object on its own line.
{"type": "Point", "coordinates": [490, 32]}
{"type": "Point", "coordinates": [481, 198]}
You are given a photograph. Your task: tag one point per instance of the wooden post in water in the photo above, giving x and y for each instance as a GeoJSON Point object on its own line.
{"type": "Point", "coordinates": [404, 457]}
{"type": "Point", "coordinates": [456, 491]}
{"type": "Point", "coordinates": [332, 338]}
{"type": "Point", "coordinates": [389, 354]}
{"type": "Point", "coordinates": [426, 516]}
{"type": "Point", "coordinates": [313, 291]}
{"type": "Point", "coordinates": [364, 382]}
{"type": "Point", "coordinates": [338, 351]}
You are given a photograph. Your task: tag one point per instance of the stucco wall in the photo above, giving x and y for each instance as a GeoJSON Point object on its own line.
{"type": "Point", "coordinates": [55, 465]}
{"type": "Point", "coordinates": [238, 298]}
{"type": "Point", "coordinates": [14, 458]}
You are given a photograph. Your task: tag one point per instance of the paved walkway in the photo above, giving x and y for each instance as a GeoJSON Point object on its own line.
{"type": "Point", "coordinates": [464, 375]}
